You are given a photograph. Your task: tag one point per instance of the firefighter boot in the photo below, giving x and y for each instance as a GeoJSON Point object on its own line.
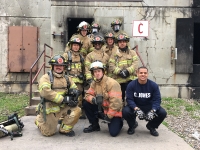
{"type": "Point", "coordinates": [93, 127]}
{"type": "Point", "coordinates": [152, 130]}
{"type": "Point", "coordinates": [70, 133]}
{"type": "Point", "coordinates": [131, 130]}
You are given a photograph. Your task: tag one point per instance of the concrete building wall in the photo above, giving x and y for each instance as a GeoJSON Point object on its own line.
{"type": "Point", "coordinates": [21, 13]}
{"type": "Point", "coordinates": [155, 50]}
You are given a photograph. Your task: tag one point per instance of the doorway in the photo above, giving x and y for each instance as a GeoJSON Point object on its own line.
{"type": "Point", "coordinates": [196, 53]}
{"type": "Point", "coordinates": [72, 24]}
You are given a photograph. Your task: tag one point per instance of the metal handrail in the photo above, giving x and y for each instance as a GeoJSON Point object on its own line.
{"type": "Point", "coordinates": [39, 70]}
{"type": "Point", "coordinates": [136, 47]}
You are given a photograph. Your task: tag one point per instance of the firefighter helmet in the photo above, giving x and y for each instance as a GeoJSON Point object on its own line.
{"type": "Point", "coordinates": [109, 35]}
{"type": "Point", "coordinates": [116, 22]}
{"type": "Point", "coordinates": [95, 27]}
{"type": "Point", "coordinates": [96, 65]}
{"type": "Point", "coordinates": [98, 38]}
{"type": "Point", "coordinates": [83, 26]}
{"type": "Point", "coordinates": [58, 60]}
{"type": "Point", "coordinates": [122, 37]}
{"type": "Point", "coordinates": [75, 40]}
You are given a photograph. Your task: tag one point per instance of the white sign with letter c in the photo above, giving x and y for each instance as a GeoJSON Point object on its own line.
{"type": "Point", "coordinates": [140, 28]}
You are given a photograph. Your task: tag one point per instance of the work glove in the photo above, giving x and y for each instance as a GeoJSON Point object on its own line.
{"type": "Point", "coordinates": [70, 101]}
{"type": "Point", "coordinates": [140, 114]}
{"type": "Point", "coordinates": [104, 117]}
{"type": "Point", "coordinates": [75, 93]}
{"type": "Point", "coordinates": [98, 100]}
{"type": "Point", "coordinates": [150, 115]}
{"type": "Point", "coordinates": [124, 73]}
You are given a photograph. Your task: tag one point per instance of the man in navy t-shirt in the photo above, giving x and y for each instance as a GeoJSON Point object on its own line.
{"type": "Point", "coordinates": [143, 100]}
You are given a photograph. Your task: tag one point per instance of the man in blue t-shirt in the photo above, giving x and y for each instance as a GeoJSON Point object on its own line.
{"type": "Point", "coordinates": [143, 100]}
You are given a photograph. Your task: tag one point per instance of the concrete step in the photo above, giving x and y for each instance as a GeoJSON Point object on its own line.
{"type": "Point", "coordinates": [35, 100]}
{"type": "Point", "coordinates": [36, 93]}
{"type": "Point", "coordinates": [30, 110]}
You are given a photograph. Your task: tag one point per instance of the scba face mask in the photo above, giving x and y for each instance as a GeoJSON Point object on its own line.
{"type": "Point", "coordinates": [116, 28]}
{"type": "Point", "coordinates": [94, 30]}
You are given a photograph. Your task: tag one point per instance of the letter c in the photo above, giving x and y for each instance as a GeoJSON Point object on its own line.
{"type": "Point", "coordinates": [139, 28]}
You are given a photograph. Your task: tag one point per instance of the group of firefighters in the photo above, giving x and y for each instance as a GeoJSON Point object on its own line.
{"type": "Point", "coordinates": [89, 81]}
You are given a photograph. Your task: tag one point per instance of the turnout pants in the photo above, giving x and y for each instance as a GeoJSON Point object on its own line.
{"type": "Point", "coordinates": [49, 127]}
{"type": "Point", "coordinates": [80, 98]}
{"type": "Point", "coordinates": [91, 112]}
{"type": "Point", "coordinates": [129, 115]}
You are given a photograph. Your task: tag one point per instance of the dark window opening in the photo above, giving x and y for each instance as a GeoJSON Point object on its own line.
{"type": "Point", "coordinates": [72, 24]}
{"type": "Point", "coordinates": [196, 49]}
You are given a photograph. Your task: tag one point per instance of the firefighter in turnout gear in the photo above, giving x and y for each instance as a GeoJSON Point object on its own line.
{"type": "Point", "coordinates": [116, 25]}
{"type": "Point", "coordinates": [59, 97]}
{"type": "Point", "coordinates": [75, 67]}
{"type": "Point", "coordinates": [94, 29]}
{"type": "Point", "coordinates": [83, 29]}
{"type": "Point", "coordinates": [110, 47]}
{"type": "Point", "coordinates": [124, 63]}
{"type": "Point", "coordinates": [103, 101]}
{"type": "Point", "coordinates": [96, 54]}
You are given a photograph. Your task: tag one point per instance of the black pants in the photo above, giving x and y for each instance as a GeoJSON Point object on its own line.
{"type": "Point", "coordinates": [129, 115]}
{"type": "Point", "coordinates": [123, 88]}
{"type": "Point", "coordinates": [91, 112]}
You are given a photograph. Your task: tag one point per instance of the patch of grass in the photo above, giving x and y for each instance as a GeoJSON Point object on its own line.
{"type": "Point", "coordinates": [165, 123]}
{"type": "Point", "coordinates": [10, 103]}
{"type": "Point", "coordinates": [175, 106]}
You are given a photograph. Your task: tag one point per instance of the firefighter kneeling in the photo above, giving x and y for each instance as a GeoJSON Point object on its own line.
{"type": "Point", "coordinates": [104, 92]}
{"type": "Point", "coordinates": [59, 99]}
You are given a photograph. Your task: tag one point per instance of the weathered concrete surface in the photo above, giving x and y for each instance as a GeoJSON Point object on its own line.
{"type": "Point", "coordinates": [141, 140]}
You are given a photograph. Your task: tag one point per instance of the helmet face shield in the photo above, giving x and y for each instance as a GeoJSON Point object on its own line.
{"type": "Point", "coordinates": [116, 28]}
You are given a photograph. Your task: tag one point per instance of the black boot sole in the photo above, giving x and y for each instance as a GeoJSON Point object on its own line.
{"type": "Point", "coordinates": [91, 130]}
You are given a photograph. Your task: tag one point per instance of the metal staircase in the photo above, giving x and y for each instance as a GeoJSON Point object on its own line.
{"type": "Point", "coordinates": [34, 97]}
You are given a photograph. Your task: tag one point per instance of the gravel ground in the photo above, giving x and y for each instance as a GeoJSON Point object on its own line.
{"type": "Point", "coordinates": [185, 126]}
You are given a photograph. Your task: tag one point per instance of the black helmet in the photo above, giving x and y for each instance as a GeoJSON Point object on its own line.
{"type": "Point", "coordinates": [122, 37]}
{"type": "Point", "coordinates": [75, 40]}
{"type": "Point", "coordinates": [95, 27]}
{"type": "Point", "coordinates": [109, 35]}
{"type": "Point", "coordinates": [57, 60]}
{"type": "Point", "coordinates": [116, 22]}
{"type": "Point", "coordinates": [98, 38]}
